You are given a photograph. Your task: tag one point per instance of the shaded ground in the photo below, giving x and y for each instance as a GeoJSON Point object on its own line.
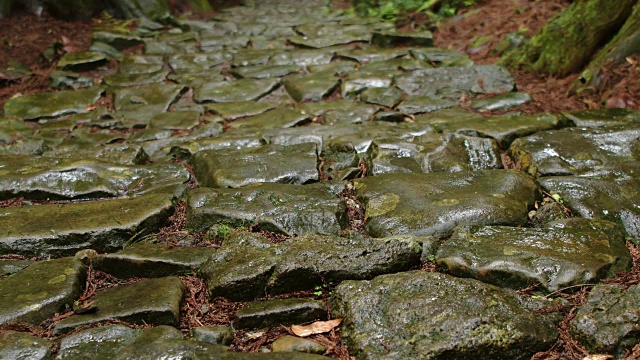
{"type": "Point", "coordinates": [498, 18]}
{"type": "Point", "coordinates": [550, 95]}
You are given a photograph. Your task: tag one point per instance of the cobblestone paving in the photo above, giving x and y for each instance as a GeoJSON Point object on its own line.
{"type": "Point", "coordinates": [303, 165]}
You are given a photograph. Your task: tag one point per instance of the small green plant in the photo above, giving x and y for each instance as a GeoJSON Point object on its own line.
{"type": "Point", "coordinates": [557, 198]}
{"type": "Point", "coordinates": [223, 231]}
{"type": "Point", "coordinates": [321, 289]}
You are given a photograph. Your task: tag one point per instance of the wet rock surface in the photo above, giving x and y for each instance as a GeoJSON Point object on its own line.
{"type": "Point", "coordinates": [433, 204]}
{"type": "Point", "coordinates": [287, 150]}
{"type": "Point", "coordinates": [41, 290]}
{"type": "Point", "coordinates": [155, 301]}
{"type": "Point", "coordinates": [449, 317]}
{"type": "Point", "coordinates": [564, 253]}
{"type": "Point", "coordinates": [608, 322]}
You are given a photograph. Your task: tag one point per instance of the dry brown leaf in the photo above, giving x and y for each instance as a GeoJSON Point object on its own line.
{"type": "Point", "coordinates": [598, 357]}
{"type": "Point", "coordinates": [317, 327]}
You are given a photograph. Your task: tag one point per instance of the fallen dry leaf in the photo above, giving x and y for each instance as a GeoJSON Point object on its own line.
{"type": "Point", "coordinates": [317, 327]}
{"type": "Point", "coordinates": [598, 357]}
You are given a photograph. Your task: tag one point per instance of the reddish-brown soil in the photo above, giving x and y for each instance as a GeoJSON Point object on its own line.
{"type": "Point", "coordinates": [497, 18]}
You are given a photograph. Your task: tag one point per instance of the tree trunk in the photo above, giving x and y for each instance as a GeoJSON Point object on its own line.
{"type": "Point", "coordinates": [571, 37]}
{"type": "Point", "coordinates": [625, 43]}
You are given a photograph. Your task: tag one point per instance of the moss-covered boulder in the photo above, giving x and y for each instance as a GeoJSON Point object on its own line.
{"type": "Point", "coordinates": [427, 315]}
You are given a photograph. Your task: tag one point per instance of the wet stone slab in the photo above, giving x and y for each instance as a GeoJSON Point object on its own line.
{"type": "Point", "coordinates": [504, 129]}
{"type": "Point", "coordinates": [270, 313]}
{"type": "Point", "coordinates": [52, 104]}
{"type": "Point", "coordinates": [429, 153]}
{"type": "Point", "coordinates": [449, 318]}
{"type": "Point", "coordinates": [41, 290]}
{"type": "Point", "coordinates": [155, 301]}
{"type": "Point", "coordinates": [609, 321]}
{"type": "Point", "coordinates": [295, 164]}
{"type": "Point", "coordinates": [51, 178]}
{"type": "Point", "coordinates": [609, 197]}
{"type": "Point", "coordinates": [63, 229]}
{"type": "Point", "coordinates": [252, 269]}
{"type": "Point", "coordinates": [152, 260]}
{"type": "Point", "coordinates": [17, 345]}
{"type": "Point", "coordinates": [162, 95]}
{"type": "Point", "coordinates": [280, 208]}
{"type": "Point", "coordinates": [576, 151]}
{"type": "Point", "coordinates": [239, 90]}
{"type": "Point", "coordinates": [310, 87]}
{"type": "Point", "coordinates": [603, 117]}
{"type": "Point", "coordinates": [273, 119]}
{"type": "Point", "coordinates": [562, 254]}
{"type": "Point", "coordinates": [239, 109]}
{"type": "Point", "coordinates": [433, 204]}
{"type": "Point", "coordinates": [479, 79]}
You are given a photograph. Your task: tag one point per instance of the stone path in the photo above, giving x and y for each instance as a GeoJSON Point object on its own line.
{"type": "Point", "coordinates": [333, 162]}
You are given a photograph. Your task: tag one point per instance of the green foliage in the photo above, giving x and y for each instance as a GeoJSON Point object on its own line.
{"type": "Point", "coordinates": [392, 10]}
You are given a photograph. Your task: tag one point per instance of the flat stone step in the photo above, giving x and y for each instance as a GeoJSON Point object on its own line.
{"type": "Point", "coordinates": [270, 313]}
{"type": "Point", "coordinates": [433, 204]}
{"type": "Point", "coordinates": [41, 290]}
{"type": "Point", "coordinates": [63, 229]}
{"type": "Point", "coordinates": [154, 301]}
{"type": "Point", "coordinates": [152, 260]}
{"type": "Point", "coordinates": [249, 270]}
{"type": "Point", "coordinates": [562, 254]}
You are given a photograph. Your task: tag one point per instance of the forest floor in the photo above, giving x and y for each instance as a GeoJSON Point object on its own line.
{"type": "Point", "coordinates": [25, 39]}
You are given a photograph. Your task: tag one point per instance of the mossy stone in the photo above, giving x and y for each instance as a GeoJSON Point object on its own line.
{"type": "Point", "coordinates": [41, 290]}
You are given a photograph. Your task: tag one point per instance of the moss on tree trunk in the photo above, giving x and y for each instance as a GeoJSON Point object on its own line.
{"type": "Point", "coordinates": [624, 44]}
{"type": "Point", "coordinates": [571, 37]}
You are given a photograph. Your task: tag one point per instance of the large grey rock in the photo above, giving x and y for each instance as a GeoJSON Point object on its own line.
{"type": "Point", "coordinates": [41, 290]}
{"type": "Point", "coordinates": [564, 253]}
{"type": "Point", "coordinates": [270, 313]}
{"type": "Point", "coordinates": [21, 346]}
{"type": "Point", "coordinates": [154, 301]}
{"type": "Point", "coordinates": [151, 260]}
{"type": "Point", "coordinates": [432, 204]}
{"type": "Point", "coordinates": [429, 315]}
{"type": "Point", "coordinates": [245, 271]}
{"type": "Point", "coordinates": [57, 230]}
{"type": "Point", "coordinates": [610, 320]}
{"type": "Point", "coordinates": [295, 164]}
